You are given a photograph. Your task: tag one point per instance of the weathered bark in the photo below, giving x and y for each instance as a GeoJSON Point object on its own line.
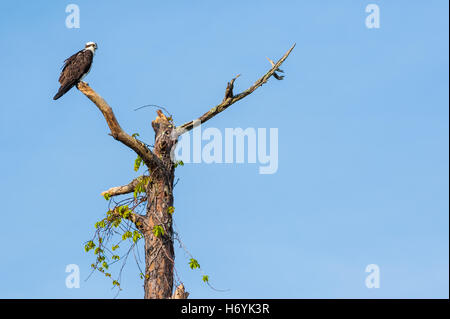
{"type": "Point", "coordinates": [159, 251]}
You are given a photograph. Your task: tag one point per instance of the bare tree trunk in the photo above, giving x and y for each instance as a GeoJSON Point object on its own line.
{"type": "Point", "coordinates": [159, 251]}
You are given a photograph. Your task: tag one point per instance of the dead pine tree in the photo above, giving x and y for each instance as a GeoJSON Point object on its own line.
{"type": "Point", "coordinates": [155, 226]}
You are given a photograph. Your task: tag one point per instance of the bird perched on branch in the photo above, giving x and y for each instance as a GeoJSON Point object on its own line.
{"type": "Point", "coordinates": [76, 68]}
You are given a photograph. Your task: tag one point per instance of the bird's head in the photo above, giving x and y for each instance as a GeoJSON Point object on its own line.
{"type": "Point", "coordinates": [91, 46]}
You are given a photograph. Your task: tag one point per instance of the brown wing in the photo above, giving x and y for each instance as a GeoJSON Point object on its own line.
{"type": "Point", "coordinates": [75, 66]}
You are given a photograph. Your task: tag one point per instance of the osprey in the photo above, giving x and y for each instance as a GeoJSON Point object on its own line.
{"type": "Point", "coordinates": [76, 68]}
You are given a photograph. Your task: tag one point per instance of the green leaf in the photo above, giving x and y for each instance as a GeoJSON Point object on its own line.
{"type": "Point", "coordinates": [107, 196]}
{"type": "Point", "coordinates": [137, 163]}
{"type": "Point", "coordinates": [158, 230]}
{"type": "Point", "coordinates": [205, 278]}
{"type": "Point", "coordinates": [141, 185]}
{"type": "Point", "coordinates": [170, 209]}
{"type": "Point", "coordinates": [117, 222]}
{"type": "Point", "coordinates": [193, 263]}
{"type": "Point", "coordinates": [180, 163]}
{"type": "Point", "coordinates": [100, 224]}
{"type": "Point", "coordinates": [136, 236]}
{"type": "Point", "coordinates": [126, 235]}
{"type": "Point", "coordinates": [122, 209]}
{"type": "Point", "coordinates": [135, 134]}
{"type": "Point", "coordinates": [126, 214]}
{"type": "Point", "coordinates": [90, 245]}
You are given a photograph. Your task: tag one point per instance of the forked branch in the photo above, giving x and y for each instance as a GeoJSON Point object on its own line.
{"type": "Point", "coordinates": [230, 98]}
{"type": "Point", "coordinates": [143, 151]}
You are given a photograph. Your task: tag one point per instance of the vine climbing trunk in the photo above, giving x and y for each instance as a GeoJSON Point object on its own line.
{"type": "Point", "coordinates": [159, 240]}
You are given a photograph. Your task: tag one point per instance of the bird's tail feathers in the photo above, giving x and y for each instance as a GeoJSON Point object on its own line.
{"type": "Point", "coordinates": [63, 90]}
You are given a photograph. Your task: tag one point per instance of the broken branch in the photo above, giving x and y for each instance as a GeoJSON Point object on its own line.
{"type": "Point", "coordinates": [180, 293]}
{"type": "Point", "coordinates": [124, 189]}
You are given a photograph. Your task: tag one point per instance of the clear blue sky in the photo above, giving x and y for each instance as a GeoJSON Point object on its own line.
{"type": "Point", "coordinates": [363, 144]}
